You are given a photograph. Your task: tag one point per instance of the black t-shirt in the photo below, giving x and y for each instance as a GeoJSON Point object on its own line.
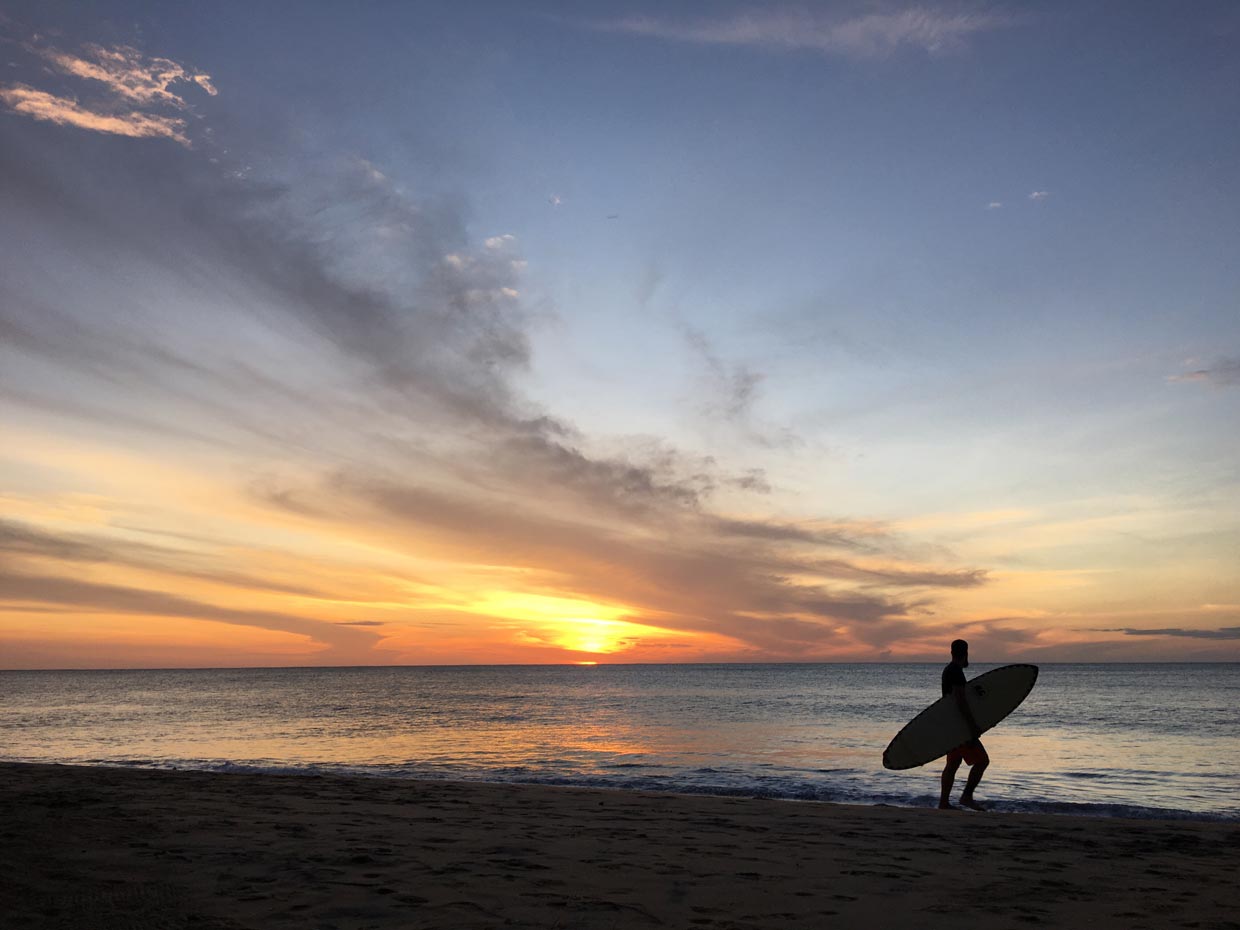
{"type": "Point", "coordinates": [953, 675]}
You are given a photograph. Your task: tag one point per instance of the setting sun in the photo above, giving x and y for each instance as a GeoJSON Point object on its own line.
{"type": "Point", "coordinates": [596, 635]}
{"type": "Point", "coordinates": [570, 624]}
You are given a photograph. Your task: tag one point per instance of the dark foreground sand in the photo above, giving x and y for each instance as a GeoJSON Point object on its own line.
{"type": "Point", "coordinates": [112, 849]}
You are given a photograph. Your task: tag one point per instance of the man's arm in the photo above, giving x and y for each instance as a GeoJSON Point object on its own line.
{"type": "Point", "coordinates": [974, 729]}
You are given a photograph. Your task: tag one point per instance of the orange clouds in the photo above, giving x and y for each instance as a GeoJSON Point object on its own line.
{"type": "Point", "coordinates": [129, 80]}
{"type": "Point", "coordinates": [129, 74]}
{"type": "Point", "coordinates": [41, 105]}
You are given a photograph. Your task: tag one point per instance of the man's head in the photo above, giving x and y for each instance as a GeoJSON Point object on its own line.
{"type": "Point", "coordinates": [960, 653]}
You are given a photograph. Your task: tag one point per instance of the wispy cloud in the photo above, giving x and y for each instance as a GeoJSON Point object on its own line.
{"type": "Point", "coordinates": [867, 35]}
{"type": "Point", "coordinates": [132, 93]}
{"type": "Point", "coordinates": [41, 105]}
{"type": "Point", "coordinates": [1223, 372]}
{"type": "Point", "coordinates": [128, 74]}
{"type": "Point", "coordinates": [1039, 195]}
{"type": "Point", "coordinates": [995, 205]}
{"type": "Point", "coordinates": [732, 390]}
{"type": "Point", "coordinates": [74, 593]}
{"type": "Point", "coordinates": [23, 541]}
{"type": "Point", "coordinates": [501, 241]}
{"type": "Point", "coordinates": [734, 387]}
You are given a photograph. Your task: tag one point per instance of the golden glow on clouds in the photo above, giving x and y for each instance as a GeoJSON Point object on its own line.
{"type": "Point", "coordinates": [523, 606]}
{"type": "Point", "coordinates": [189, 522]}
{"type": "Point", "coordinates": [345, 592]}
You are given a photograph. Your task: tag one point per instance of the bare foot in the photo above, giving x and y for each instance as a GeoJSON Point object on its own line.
{"type": "Point", "coordinates": [971, 805]}
{"type": "Point", "coordinates": [948, 807]}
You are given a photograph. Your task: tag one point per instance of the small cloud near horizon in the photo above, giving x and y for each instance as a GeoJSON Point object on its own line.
{"type": "Point", "coordinates": [1224, 372]}
{"type": "Point", "coordinates": [1039, 195]}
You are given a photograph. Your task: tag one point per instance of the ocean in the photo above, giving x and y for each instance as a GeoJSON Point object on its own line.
{"type": "Point", "coordinates": [1141, 741]}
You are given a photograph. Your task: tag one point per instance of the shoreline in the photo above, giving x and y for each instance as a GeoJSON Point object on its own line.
{"type": "Point", "coordinates": [97, 847]}
{"type": "Point", "coordinates": [1000, 805]}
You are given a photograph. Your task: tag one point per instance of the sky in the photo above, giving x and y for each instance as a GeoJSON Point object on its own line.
{"type": "Point", "coordinates": [532, 332]}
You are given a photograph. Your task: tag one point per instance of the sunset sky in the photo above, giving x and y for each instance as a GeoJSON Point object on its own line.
{"type": "Point", "coordinates": [522, 332]}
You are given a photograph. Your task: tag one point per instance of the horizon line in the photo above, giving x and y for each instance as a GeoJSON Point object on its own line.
{"type": "Point", "coordinates": [270, 668]}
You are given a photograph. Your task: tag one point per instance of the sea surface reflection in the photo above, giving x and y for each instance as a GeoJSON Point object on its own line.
{"type": "Point", "coordinates": [1102, 739]}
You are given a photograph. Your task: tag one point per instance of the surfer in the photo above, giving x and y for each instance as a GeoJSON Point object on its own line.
{"type": "Point", "coordinates": [972, 753]}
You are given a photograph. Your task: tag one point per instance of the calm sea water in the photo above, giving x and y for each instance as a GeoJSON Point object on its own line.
{"type": "Point", "coordinates": [1121, 740]}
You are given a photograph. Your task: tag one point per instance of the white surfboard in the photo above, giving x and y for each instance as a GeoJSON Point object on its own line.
{"type": "Point", "coordinates": [941, 727]}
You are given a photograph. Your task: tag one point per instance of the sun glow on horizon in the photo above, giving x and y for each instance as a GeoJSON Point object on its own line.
{"type": "Point", "coordinates": [571, 624]}
{"type": "Point", "coordinates": [589, 635]}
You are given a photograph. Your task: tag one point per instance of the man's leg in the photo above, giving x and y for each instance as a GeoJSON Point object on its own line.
{"type": "Point", "coordinates": [975, 776]}
{"type": "Point", "coordinates": [949, 779]}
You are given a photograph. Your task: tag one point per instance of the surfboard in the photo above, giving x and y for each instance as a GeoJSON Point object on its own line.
{"type": "Point", "coordinates": [941, 727]}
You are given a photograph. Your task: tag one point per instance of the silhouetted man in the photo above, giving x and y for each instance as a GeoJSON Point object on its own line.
{"type": "Point", "coordinates": [972, 753]}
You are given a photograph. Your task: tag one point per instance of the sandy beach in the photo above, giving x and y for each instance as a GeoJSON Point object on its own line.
{"type": "Point", "coordinates": [112, 849]}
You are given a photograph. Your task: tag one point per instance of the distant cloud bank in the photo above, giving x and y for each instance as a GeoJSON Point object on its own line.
{"type": "Point", "coordinates": [1226, 632]}
{"type": "Point", "coordinates": [870, 35]}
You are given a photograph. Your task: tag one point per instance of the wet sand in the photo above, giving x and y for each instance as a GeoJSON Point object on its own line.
{"type": "Point", "coordinates": [114, 849]}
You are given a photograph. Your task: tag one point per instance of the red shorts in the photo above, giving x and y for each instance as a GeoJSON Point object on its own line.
{"type": "Point", "coordinates": [971, 753]}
